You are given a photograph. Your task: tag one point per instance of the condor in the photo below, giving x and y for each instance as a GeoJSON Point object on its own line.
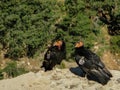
{"type": "Point", "coordinates": [91, 64]}
{"type": "Point", "coordinates": [54, 55]}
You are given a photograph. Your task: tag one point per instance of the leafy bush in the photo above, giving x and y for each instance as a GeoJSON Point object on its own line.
{"type": "Point", "coordinates": [61, 66]}
{"type": "Point", "coordinates": [12, 70]}
{"type": "Point", "coordinates": [115, 44]}
{"type": "Point", "coordinates": [1, 75]}
{"type": "Point", "coordinates": [26, 27]}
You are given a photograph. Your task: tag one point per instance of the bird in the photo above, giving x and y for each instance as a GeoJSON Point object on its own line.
{"type": "Point", "coordinates": [91, 64]}
{"type": "Point", "coordinates": [54, 55]}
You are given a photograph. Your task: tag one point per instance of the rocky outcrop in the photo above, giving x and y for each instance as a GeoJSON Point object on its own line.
{"type": "Point", "coordinates": [58, 79]}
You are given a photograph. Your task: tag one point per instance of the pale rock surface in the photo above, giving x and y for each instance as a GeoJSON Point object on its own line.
{"type": "Point", "coordinates": [58, 79]}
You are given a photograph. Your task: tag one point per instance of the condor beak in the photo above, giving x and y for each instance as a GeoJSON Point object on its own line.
{"type": "Point", "coordinates": [76, 45]}
{"type": "Point", "coordinates": [56, 44]}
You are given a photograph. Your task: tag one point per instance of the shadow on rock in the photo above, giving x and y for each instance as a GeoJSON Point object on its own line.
{"type": "Point", "coordinates": [77, 71]}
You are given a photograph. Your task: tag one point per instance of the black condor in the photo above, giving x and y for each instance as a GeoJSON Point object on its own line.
{"type": "Point", "coordinates": [54, 55]}
{"type": "Point", "coordinates": [91, 64]}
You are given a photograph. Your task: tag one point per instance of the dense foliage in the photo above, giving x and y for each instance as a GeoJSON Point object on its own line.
{"type": "Point", "coordinates": [11, 70]}
{"type": "Point", "coordinates": [27, 26]}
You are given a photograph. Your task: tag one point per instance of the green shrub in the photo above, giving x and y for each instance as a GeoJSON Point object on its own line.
{"type": "Point", "coordinates": [1, 75]}
{"type": "Point", "coordinates": [115, 44]}
{"type": "Point", "coordinates": [27, 26]}
{"type": "Point", "coordinates": [12, 70]}
{"type": "Point", "coordinates": [61, 66]}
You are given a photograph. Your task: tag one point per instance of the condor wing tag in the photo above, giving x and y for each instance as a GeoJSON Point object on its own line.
{"type": "Point", "coordinates": [81, 61]}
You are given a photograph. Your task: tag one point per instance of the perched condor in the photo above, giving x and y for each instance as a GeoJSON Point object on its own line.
{"type": "Point", "coordinates": [54, 55]}
{"type": "Point", "coordinates": [91, 64]}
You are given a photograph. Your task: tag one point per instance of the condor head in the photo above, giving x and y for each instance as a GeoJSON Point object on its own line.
{"type": "Point", "coordinates": [79, 44]}
{"type": "Point", "coordinates": [60, 44]}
